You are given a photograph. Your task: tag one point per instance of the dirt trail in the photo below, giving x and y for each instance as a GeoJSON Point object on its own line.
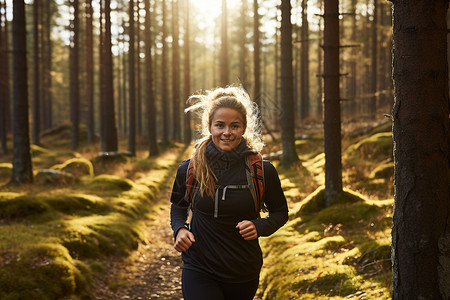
{"type": "Point", "coordinates": [153, 271]}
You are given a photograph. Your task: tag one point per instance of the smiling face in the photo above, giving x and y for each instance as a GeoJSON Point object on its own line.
{"type": "Point", "coordinates": [227, 127]}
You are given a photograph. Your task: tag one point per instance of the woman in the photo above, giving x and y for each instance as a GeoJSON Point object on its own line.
{"type": "Point", "coordinates": [221, 255]}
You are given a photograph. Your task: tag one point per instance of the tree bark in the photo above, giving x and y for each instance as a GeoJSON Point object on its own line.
{"type": "Point", "coordinates": [22, 171]}
{"type": "Point", "coordinates": [131, 82]}
{"type": "Point", "coordinates": [332, 110]}
{"type": "Point", "coordinates": [187, 72]}
{"type": "Point", "coordinates": [421, 228]}
{"type": "Point", "coordinates": [4, 80]}
{"type": "Point", "coordinates": [164, 92]}
{"type": "Point", "coordinates": [110, 131]}
{"type": "Point", "coordinates": [256, 56]}
{"type": "Point", "coordinates": [176, 105]}
{"type": "Point", "coordinates": [243, 53]}
{"type": "Point", "coordinates": [36, 76]}
{"type": "Point", "coordinates": [89, 73]}
{"type": "Point", "coordinates": [224, 73]}
{"type": "Point", "coordinates": [151, 110]}
{"type": "Point", "coordinates": [74, 79]}
{"type": "Point", "coordinates": [374, 63]}
{"type": "Point", "coordinates": [304, 63]}
{"type": "Point", "coordinates": [289, 156]}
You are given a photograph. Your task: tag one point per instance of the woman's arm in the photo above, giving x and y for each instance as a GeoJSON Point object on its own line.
{"type": "Point", "coordinates": [275, 201]}
{"type": "Point", "coordinates": [179, 209]}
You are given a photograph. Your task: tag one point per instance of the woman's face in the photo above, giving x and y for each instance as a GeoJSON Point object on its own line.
{"type": "Point", "coordinates": [227, 128]}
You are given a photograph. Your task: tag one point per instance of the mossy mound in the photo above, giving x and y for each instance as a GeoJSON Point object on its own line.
{"type": "Point", "coordinates": [376, 147]}
{"type": "Point", "coordinates": [315, 202]}
{"type": "Point", "coordinates": [109, 183]}
{"type": "Point", "coordinates": [5, 170]}
{"type": "Point", "coordinates": [330, 252]}
{"type": "Point", "coordinates": [43, 271]}
{"type": "Point", "coordinates": [77, 167]}
{"type": "Point", "coordinates": [38, 150]}
{"type": "Point", "coordinates": [384, 171]}
{"type": "Point", "coordinates": [53, 177]}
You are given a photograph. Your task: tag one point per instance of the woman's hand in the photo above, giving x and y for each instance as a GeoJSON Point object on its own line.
{"type": "Point", "coordinates": [184, 240]}
{"type": "Point", "coordinates": [247, 230]}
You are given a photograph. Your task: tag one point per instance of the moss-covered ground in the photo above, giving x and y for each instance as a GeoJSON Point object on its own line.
{"type": "Point", "coordinates": [53, 232]}
{"type": "Point", "coordinates": [340, 251]}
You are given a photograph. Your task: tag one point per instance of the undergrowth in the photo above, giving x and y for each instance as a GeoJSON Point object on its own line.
{"type": "Point", "coordinates": [52, 234]}
{"type": "Point", "coordinates": [340, 251]}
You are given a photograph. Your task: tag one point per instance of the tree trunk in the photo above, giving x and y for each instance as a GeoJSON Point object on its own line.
{"type": "Point", "coordinates": [287, 96]}
{"type": "Point", "coordinates": [110, 130]}
{"type": "Point", "coordinates": [4, 79]}
{"type": "Point", "coordinates": [256, 56]}
{"type": "Point", "coordinates": [36, 76]}
{"type": "Point", "coordinates": [176, 105]}
{"type": "Point", "coordinates": [187, 72]}
{"type": "Point", "coordinates": [304, 63]}
{"type": "Point", "coordinates": [138, 74]}
{"type": "Point", "coordinates": [243, 53]}
{"type": "Point", "coordinates": [224, 73]}
{"type": "Point", "coordinates": [164, 92]}
{"type": "Point", "coordinates": [332, 110]}
{"type": "Point", "coordinates": [48, 98]}
{"type": "Point", "coordinates": [22, 171]}
{"type": "Point", "coordinates": [374, 58]}
{"type": "Point", "coordinates": [319, 110]}
{"type": "Point", "coordinates": [131, 82]}
{"type": "Point", "coordinates": [74, 80]}
{"type": "Point", "coordinates": [151, 110]}
{"type": "Point", "coordinates": [421, 231]}
{"type": "Point", "coordinates": [89, 73]}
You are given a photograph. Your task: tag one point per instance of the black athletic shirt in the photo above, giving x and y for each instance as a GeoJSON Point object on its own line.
{"type": "Point", "coordinates": [219, 249]}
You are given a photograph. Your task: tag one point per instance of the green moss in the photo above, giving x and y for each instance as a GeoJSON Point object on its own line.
{"type": "Point", "coordinates": [384, 171]}
{"type": "Point", "coordinates": [22, 206]}
{"type": "Point", "coordinates": [110, 184]}
{"type": "Point", "coordinates": [43, 271]}
{"type": "Point", "coordinates": [77, 167]}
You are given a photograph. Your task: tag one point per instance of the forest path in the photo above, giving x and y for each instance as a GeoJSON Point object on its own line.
{"type": "Point", "coordinates": [153, 271]}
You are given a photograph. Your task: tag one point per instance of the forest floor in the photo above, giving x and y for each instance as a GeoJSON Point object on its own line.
{"type": "Point", "coordinates": [153, 271]}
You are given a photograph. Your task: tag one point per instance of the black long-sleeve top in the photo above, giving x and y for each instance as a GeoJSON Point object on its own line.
{"type": "Point", "coordinates": [219, 249]}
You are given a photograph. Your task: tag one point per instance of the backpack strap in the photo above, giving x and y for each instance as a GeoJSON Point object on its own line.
{"type": "Point", "coordinates": [255, 178]}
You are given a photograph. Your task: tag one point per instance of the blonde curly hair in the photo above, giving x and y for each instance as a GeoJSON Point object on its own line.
{"type": "Point", "coordinates": [206, 105]}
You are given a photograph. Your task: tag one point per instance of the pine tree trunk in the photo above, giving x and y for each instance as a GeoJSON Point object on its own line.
{"type": "Point", "coordinates": [36, 76]}
{"type": "Point", "coordinates": [304, 64]}
{"type": "Point", "coordinates": [22, 171]}
{"type": "Point", "coordinates": [150, 99]}
{"type": "Point", "coordinates": [74, 80]}
{"type": "Point", "coordinates": [4, 79]}
{"type": "Point", "coordinates": [176, 117]}
{"type": "Point", "coordinates": [242, 44]}
{"type": "Point", "coordinates": [287, 96]}
{"type": "Point", "coordinates": [374, 63]}
{"type": "Point", "coordinates": [131, 82]}
{"type": "Point", "coordinates": [256, 56]}
{"type": "Point", "coordinates": [224, 73]}
{"type": "Point", "coordinates": [187, 72]}
{"type": "Point", "coordinates": [89, 65]}
{"type": "Point", "coordinates": [48, 98]}
{"type": "Point", "coordinates": [421, 231]}
{"type": "Point", "coordinates": [110, 140]}
{"type": "Point", "coordinates": [332, 110]}
{"type": "Point", "coordinates": [164, 89]}
{"type": "Point", "coordinates": [138, 75]}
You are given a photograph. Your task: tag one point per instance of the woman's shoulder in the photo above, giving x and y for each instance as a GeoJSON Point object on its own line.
{"type": "Point", "coordinates": [182, 168]}
{"type": "Point", "coordinates": [269, 168]}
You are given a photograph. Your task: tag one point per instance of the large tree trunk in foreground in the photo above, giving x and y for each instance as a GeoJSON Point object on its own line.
{"type": "Point", "coordinates": [421, 228]}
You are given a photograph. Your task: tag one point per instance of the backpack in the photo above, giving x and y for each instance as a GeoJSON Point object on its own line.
{"type": "Point", "coordinates": [255, 177]}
